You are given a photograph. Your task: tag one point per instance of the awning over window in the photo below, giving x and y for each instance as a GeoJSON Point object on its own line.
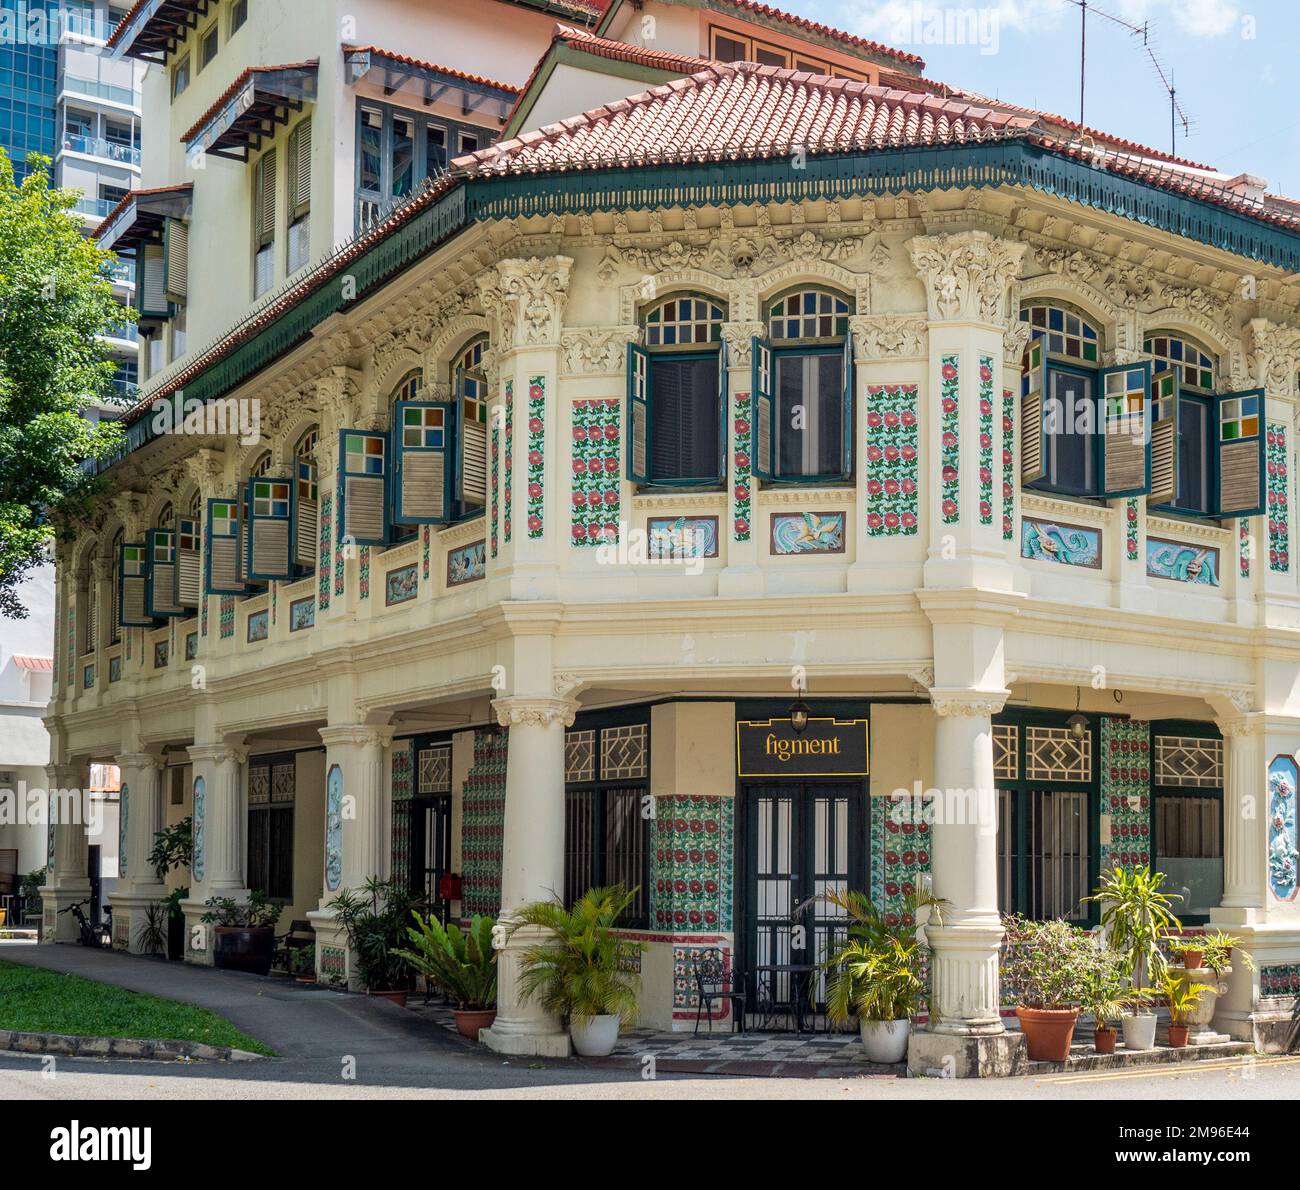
{"type": "Point", "coordinates": [259, 100]}
{"type": "Point", "coordinates": [152, 29]}
{"type": "Point", "coordinates": [140, 216]}
{"type": "Point", "coordinates": [430, 82]}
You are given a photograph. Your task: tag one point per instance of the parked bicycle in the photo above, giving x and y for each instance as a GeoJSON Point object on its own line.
{"type": "Point", "coordinates": [88, 933]}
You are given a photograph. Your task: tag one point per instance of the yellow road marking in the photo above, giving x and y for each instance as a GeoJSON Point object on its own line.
{"type": "Point", "coordinates": [1174, 1068]}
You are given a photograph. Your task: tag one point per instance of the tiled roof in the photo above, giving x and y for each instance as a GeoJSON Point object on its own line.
{"type": "Point", "coordinates": [36, 663]}
{"type": "Point", "coordinates": [753, 8]}
{"type": "Point", "coordinates": [420, 64]}
{"type": "Point", "coordinates": [131, 195]}
{"type": "Point", "coordinates": [744, 110]}
{"type": "Point", "coordinates": [591, 9]}
{"type": "Point", "coordinates": [124, 25]}
{"type": "Point", "coordinates": [231, 91]}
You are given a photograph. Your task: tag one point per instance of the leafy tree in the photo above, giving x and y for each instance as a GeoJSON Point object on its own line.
{"type": "Point", "coordinates": [55, 302]}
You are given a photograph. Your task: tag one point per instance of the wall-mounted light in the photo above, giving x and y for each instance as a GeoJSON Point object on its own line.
{"type": "Point", "coordinates": [799, 712]}
{"type": "Point", "coordinates": [1078, 722]}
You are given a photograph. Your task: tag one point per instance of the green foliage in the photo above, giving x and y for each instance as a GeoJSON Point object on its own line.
{"type": "Point", "coordinates": [257, 913]}
{"type": "Point", "coordinates": [1105, 994]}
{"type": "Point", "coordinates": [174, 898]}
{"type": "Point", "coordinates": [1047, 962]}
{"type": "Point", "coordinates": [153, 935]}
{"type": "Point", "coordinates": [1135, 917]}
{"type": "Point", "coordinates": [32, 883]}
{"type": "Point", "coordinates": [376, 925]}
{"type": "Point", "coordinates": [464, 965]}
{"type": "Point", "coordinates": [1217, 948]}
{"type": "Point", "coordinates": [173, 847]}
{"type": "Point", "coordinates": [578, 973]}
{"type": "Point", "coordinates": [55, 302]}
{"type": "Point", "coordinates": [877, 972]}
{"type": "Point", "coordinates": [302, 960]}
{"type": "Point", "coordinates": [1181, 995]}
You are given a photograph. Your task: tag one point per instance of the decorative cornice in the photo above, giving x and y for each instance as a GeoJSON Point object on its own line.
{"type": "Point", "coordinates": [802, 496]}
{"type": "Point", "coordinates": [949, 703]}
{"type": "Point", "coordinates": [890, 336]}
{"type": "Point", "coordinates": [597, 350]}
{"type": "Point", "coordinates": [968, 275]}
{"type": "Point", "coordinates": [527, 297]}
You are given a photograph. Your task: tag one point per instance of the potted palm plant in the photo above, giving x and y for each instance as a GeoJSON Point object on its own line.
{"type": "Point", "coordinates": [464, 965]}
{"type": "Point", "coordinates": [877, 973]}
{"type": "Point", "coordinates": [1135, 917]}
{"type": "Point", "coordinates": [375, 922]}
{"type": "Point", "coordinates": [1106, 996]}
{"type": "Point", "coordinates": [1182, 998]}
{"type": "Point", "coordinates": [1045, 968]}
{"type": "Point", "coordinates": [1191, 949]}
{"type": "Point", "coordinates": [245, 932]}
{"type": "Point", "coordinates": [579, 972]}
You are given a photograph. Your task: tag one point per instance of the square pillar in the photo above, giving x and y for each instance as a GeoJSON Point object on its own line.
{"type": "Point", "coordinates": [67, 879]}
{"type": "Point", "coordinates": [219, 825]}
{"type": "Point", "coordinates": [140, 819]}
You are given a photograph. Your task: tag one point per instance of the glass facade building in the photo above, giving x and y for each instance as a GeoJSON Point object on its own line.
{"type": "Point", "coordinates": [29, 51]}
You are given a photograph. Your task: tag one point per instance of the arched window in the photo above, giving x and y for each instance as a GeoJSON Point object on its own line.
{"type": "Point", "coordinates": [469, 381]}
{"type": "Point", "coordinates": [1189, 361]}
{"type": "Point", "coordinates": [1064, 332]}
{"type": "Point", "coordinates": [677, 392]}
{"type": "Point", "coordinates": [306, 500]}
{"type": "Point", "coordinates": [260, 468]}
{"type": "Point", "coordinates": [803, 398]}
{"type": "Point", "coordinates": [408, 388]}
{"type": "Point", "coordinates": [115, 565]}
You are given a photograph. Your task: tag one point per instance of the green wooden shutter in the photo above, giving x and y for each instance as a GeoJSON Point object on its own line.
{"type": "Point", "coordinates": [1239, 439]}
{"type": "Point", "coordinates": [176, 251]}
{"type": "Point", "coordinates": [848, 406]}
{"type": "Point", "coordinates": [471, 444]}
{"type": "Point", "coordinates": [638, 414]}
{"type": "Point", "coordinates": [764, 417]}
{"type": "Point", "coordinates": [189, 564]}
{"type": "Point", "coordinates": [151, 282]}
{"type": "Point", "coordinates": [160, 582]}
{"type": "Point", "coordinates": [1033, 453]}
{"type": "Point", "coordinates": [222, 548]}
{"type": "Point", "coordinates": [422, 470]}
{"type": "Point", "coordinates": [363, 496]}
{"type": "Point", "coordinates": [1164, 438]}
{"type": "Point", "coordinates": [264, 205]}
{"type": "Point", "coordinates": [306, 515]}
{"type": "Point", "coordinates": [132, 580]}
{"type": "Point", "coordinates": [1125, 408]}
{"type": "Point", "coordinates": [724, 417]}
{"type": "Point", "coordinates": [299, 166]}
{"type": "Point", "coordinates": [270, 528]}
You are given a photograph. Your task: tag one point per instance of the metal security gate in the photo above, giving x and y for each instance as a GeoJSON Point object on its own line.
{"type": "Point", "coordinates": [1044, 853]}
{"type": "Point", "coordinates": [430, 844]}
{"type": "Point", "coordinates": [803, 839]}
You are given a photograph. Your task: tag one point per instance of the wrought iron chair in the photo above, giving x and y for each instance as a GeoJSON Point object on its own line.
{"type": "Point", "coordinates": [711, 987]}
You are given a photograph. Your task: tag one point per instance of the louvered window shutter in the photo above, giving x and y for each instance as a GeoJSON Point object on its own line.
{"type": "Point", "coordinates": [266, 177]}
{"type": "Point", "coordinates": [1164, 438]}
{"type": "Point", "coordinates": [422, 480]}
{"type": "Point", "coordinates": [471, 441]}
{"type": "Point", "coordinates": [762, 458]}
{"type": "Point", "coordinates": [133, 573]}
{"type": "Point", "coordinates": [306, 515]}
{"type": "Point", "coordinates": [1126, 401]}
{"type": "Point", "coordinates": [152, 282]}
{"type": "Point", "coordinates": [177, 253]}
{"type": "Point", "coordinates": [160, 583]}
{"type": "Point", "coordinates": [270, 528]}
{"type": "Point", "coordinates": [92, 614]}
{"type": "Point", "coordinates": [847, 428]}
{"type": "Point", "coordinates": [300, 169]}
{"type": "Point", "coordinates": [1239, 443]}
{"type": "Point", "coordinates": [363, 469]}
{"type": "Point", "coordinates": [1033, 455]}
{"type": "Point", "coordinates": [189, 564]}
{"type": "Point", "coordinates": [638, 414]}
{"type": "Point", "coordinates": [724, 418]}
{"type": "Point", "coordinates": [221, 546]}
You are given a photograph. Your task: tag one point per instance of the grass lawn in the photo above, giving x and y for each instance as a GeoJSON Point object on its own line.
{"type": "Point", "coordinates": [33, 1000]}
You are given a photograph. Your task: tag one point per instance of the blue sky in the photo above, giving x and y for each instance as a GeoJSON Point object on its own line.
{"type": "Point", "coordinates": [1236, 67]}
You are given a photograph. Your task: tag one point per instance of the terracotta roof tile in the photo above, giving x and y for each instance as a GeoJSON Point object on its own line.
{"type": "Point", "coordinates": [380, 52]}
{"type": "Point", "coordinates": [36, 663]}
{"type": "Point", "coordinates": [231, 91]}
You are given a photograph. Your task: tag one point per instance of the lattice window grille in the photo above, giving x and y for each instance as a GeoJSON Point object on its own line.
{"type": "Point", "coordinates": [579, 756]}
{"type": "Point", "coordinates": [1189, 762]}
{"type": "Point", "coordinates": [435, 770]}
{"type": "Point", "coordinates": [624, 754]}
{"type": "Point", "coordinates": [1053, 754]}
{"type": "Point", "coordinates": [282, 783]}
{"type": "Point", "coordinates": [1006, 751]}
{"type": "Point", "coordinates": [259, 786]}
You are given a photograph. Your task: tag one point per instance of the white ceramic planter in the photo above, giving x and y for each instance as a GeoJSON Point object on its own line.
{"type": "Point", "coordinates": [886, 1041]}
{"type": "Point", "coordinates": [596, 1036]}
{"type": "Point", "coordinates": [1139, 1032]}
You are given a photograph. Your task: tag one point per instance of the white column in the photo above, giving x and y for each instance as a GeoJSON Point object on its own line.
{"type": "Point", "coordinates": [66, 879]}
{"type": "Point", "coordinates": [532, 866]}
{"type": "Point", "coordinates": [219, 825]}
{"type": "Point", "coordinates": [964, 968]}
{"type": "Point", "coordinates": [1245, 841]}
{"type": "Point", "coordinates": [359, 754]}
{"type": "Point", "coordinates": [140, 886]}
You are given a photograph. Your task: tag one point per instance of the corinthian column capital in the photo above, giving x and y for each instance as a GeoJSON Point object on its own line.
{"type": "Point", "coordinates": [526, 299]}
{"type": "Point", "coordinates": [967, 275]}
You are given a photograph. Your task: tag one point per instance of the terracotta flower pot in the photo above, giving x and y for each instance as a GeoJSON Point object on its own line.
{"type": "Point", "coordinates": [1178, 1036]}
{"type": "Point", "coordinates": [1192, 959]}
{"type": "Point", "coordinates": [398, 998]}
{"type": "Point", "coordinates": [1048, 1032]}
{"type": "Point", "coordinates": [1103, 1040]}
{"type": "Point", "coordinates": [470, 1020]}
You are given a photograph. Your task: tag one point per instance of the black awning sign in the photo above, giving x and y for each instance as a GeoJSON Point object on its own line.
{"type": "Point", "coordinates": [828, 748]}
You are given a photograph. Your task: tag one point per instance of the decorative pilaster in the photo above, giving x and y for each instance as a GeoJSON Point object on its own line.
{"type": "Point", "coordinates": [140, 810]}
{"type": "Point", "coordinates": [220, 821]}
{"type": "Point", "coordinates": [1245, 872]}
{"type": "Point", "coordinates": [532, 860]}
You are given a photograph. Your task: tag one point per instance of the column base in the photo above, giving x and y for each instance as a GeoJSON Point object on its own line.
{"type": "Point", "coordinates": [947, 1055]}
{"type": "Point", "coordinates": [334, 965]}
{"type": "Point", "coordinates": [131, 919]}
{"type": "Point", "coordinates": [57, 926]}
{"type": "Point", "coordinates": [526, 1045]}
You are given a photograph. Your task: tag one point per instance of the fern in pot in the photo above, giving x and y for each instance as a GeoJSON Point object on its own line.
{"type": "Point", "coordinates": [463, 965]}
{"type": "Point", "coordinates": [579, 971]}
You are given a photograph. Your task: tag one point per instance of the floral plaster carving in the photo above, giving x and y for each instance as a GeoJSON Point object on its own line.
{"type": "Point", "coordinates": [967, 274]}
{"type": "Point", "coordinates": [891, 336]}
{"type": "Point", "coordinates": [598, 349]}
{"type": "Point", "coordinates": [527, 298]}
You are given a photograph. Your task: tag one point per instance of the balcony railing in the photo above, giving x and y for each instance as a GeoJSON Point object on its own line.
{"type": "Point", "coordinates": [97, 146]}
{"type": "Point", "coordinates": [98, 90]}
{"type": "Point", "coordinates": [97, 208]}
{"type": "Point", "coordinates": [123, 330]}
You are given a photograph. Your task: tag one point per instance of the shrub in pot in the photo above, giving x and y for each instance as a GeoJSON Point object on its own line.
{"type": "Point", "coordinates": [375, 921]}
{"type": "Point", "coordinates": [302, 964]}
{"type": "Point", "coordinates": [244, 932]}
{"type": "Point", "coordinates": [876, 973]}
{"type": "Point", "coordinates": [1045, 967]}
{"type": "Point", "coordinates": [1191, 950]}
{"type": "Point", "coordinates": [1182, 998]}
{"type": "Point", "coordinates": [1106, 996]}
{"type": "Point", "coordinates": [464, 965]}
{"type": "Point", "coordinates": [579, 972]}
{"type": "Point", "coordinates": [1135, 917]}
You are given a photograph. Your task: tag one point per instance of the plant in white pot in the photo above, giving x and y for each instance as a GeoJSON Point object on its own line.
{"type": "Point", "coordinates": [580, 972]}
{"type": "Point", "coordinates": [1135, 917]}
{"type": "Point", "coordinates": [878, 973]}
